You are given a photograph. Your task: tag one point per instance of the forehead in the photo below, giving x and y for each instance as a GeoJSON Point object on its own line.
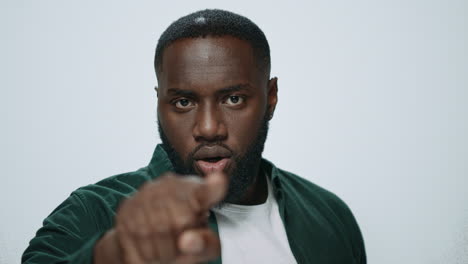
{"type": "Point", "coordinates": [208, 61]}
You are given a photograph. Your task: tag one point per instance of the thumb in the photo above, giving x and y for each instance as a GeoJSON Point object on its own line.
{"type": "Point", "coordinates": [198, 245]}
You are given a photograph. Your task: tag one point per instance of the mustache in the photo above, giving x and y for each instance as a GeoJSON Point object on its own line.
{"type": "Point", "coordinates": [208, 144]}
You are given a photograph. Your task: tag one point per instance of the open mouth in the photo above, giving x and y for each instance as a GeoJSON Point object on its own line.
{"type": "Point", "coordinates": [211, 165]}
{"type": "Point", "coordinates": [209, 159]}
{"type": "Point", "coordinates": [212, 160]}
{"type": "Point", "coordinates": [207, 166]}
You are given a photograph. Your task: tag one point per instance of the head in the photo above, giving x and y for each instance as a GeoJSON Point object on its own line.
{"type": "Point", "coordinates": [215, 96]}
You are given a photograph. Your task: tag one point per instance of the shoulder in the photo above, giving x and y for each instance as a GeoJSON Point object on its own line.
{"type": "Point", "coordinates": [311, 192]}
{"type": "Point", "coordinates": [317, 197]}
{"type": "Point", "coordinates": [124, 183]}
{"type": "Point", "coordinates": [298, 187]}
{"type": "Point", "coordinates": [110, 191]}
{"type": "Point", "coordinates": [70, 231]}
{"type": "Point", "coordinates": [304, 195]}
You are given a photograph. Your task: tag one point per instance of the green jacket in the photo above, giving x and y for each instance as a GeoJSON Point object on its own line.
{"type": "Point", "coordinates": [320, 227]}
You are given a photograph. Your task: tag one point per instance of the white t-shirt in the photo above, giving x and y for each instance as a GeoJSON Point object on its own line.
{"type": "Point", "coordinates": [253, 233]}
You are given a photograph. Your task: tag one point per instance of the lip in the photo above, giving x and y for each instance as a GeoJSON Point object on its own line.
{"type": "Point", "coordinates": [205, 167]}
{"type": "Point", "coordinates": [214, 151]}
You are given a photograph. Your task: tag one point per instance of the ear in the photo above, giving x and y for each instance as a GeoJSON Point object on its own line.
{"type": "Point", "coordinates": [157, 91]}
{"type": "Point", "coordinates": [272, 96]}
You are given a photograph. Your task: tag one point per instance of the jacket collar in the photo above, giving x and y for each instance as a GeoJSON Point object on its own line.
{"type": "Point", "coordinates": [160, 162]}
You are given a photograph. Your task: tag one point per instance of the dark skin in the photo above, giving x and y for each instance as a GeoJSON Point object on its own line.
{"type": "Point", "coordinates": [210, 90]}
{"type": "Point", "coordinates": [198, 78]}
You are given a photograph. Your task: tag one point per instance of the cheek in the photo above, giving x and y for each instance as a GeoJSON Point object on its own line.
{"type": "Point", "coordinates": [177, 127]}
{"type": "Point", "coordinates": [244, 126]}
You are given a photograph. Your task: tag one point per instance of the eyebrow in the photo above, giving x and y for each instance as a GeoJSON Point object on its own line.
{"type": "Point", "coordinates": [180, 92]}
{"type": "Point", "coordinates": [232, 89]}
{"type": "Point", "coordinates": [222, 91]}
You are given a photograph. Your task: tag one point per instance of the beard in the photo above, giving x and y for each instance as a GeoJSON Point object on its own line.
{"type": "Point", "coordinates": [245, 166]}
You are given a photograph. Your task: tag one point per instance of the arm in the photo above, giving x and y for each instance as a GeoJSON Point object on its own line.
{"type": "Point", "coordinates": [353, 231]}
{"type": "Point", "coordinates": [81, 229]}
{"type": "Point", "coordinates": [68, 235]}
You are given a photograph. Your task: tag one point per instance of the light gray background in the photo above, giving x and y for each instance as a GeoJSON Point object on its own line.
{"type": "Point", "coordinates": [372, 106]}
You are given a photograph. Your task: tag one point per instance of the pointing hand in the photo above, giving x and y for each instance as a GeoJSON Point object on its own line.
{"type": "Point", "coordinates": [165, 222]}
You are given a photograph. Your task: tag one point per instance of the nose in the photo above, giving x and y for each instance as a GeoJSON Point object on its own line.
{"type": "Point", "coordinates": [209, 125]}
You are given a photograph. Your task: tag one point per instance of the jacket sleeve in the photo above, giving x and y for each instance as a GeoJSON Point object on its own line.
{"type": "Point", "coordinates": [68, 235]}
{"type": "Point", "coordinates": [358, 241]}
{"type": "Point", "coordinates": [354, 232]}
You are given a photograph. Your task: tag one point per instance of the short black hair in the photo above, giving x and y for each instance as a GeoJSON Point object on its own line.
{"type": "Point", "coordinates": [215, 22]}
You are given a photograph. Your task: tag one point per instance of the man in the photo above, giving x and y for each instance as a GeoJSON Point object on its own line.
{"type": "Point", "coordinates": [215, 99]}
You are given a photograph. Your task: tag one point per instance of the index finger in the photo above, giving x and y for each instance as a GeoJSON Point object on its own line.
{"type": "Point", "coordinates": [213, 190]}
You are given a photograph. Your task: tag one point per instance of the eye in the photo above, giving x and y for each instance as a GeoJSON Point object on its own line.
{"type": "Point", "coordinates": [183, 103]}
{"type": "Point", "coordinates": [234, 100]}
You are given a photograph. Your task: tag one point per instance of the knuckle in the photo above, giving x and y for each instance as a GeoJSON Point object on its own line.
{"type": "Point", "coordinates": [182, 221]}
{"type": "Point", "coordinates": [194, 203]}
{"type": "Point", "coordinates": [124, 206]}
{"type": "Point", "coordinates": [132, 224]}
{"type": "Point", "coordinates": [121, 220]}
{"type": "Point", "coordinates": [141, 231]}
{"type": "Point", "coordinates": [146, 186]}
{"type": "Point", "coordinates": [119, 231]}
{"type": "Point", "coordinates": [162, 228]}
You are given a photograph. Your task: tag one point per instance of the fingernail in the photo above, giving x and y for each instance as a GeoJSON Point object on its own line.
{"type": "Point", "coordinates": [191, 243]}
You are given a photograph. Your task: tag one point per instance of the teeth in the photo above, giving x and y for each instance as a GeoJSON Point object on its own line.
{"type": "Point", "coordinates": [213, 159]}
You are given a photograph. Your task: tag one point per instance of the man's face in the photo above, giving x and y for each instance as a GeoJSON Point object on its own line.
{"type": "Point", "coordinates": [214, 104]}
